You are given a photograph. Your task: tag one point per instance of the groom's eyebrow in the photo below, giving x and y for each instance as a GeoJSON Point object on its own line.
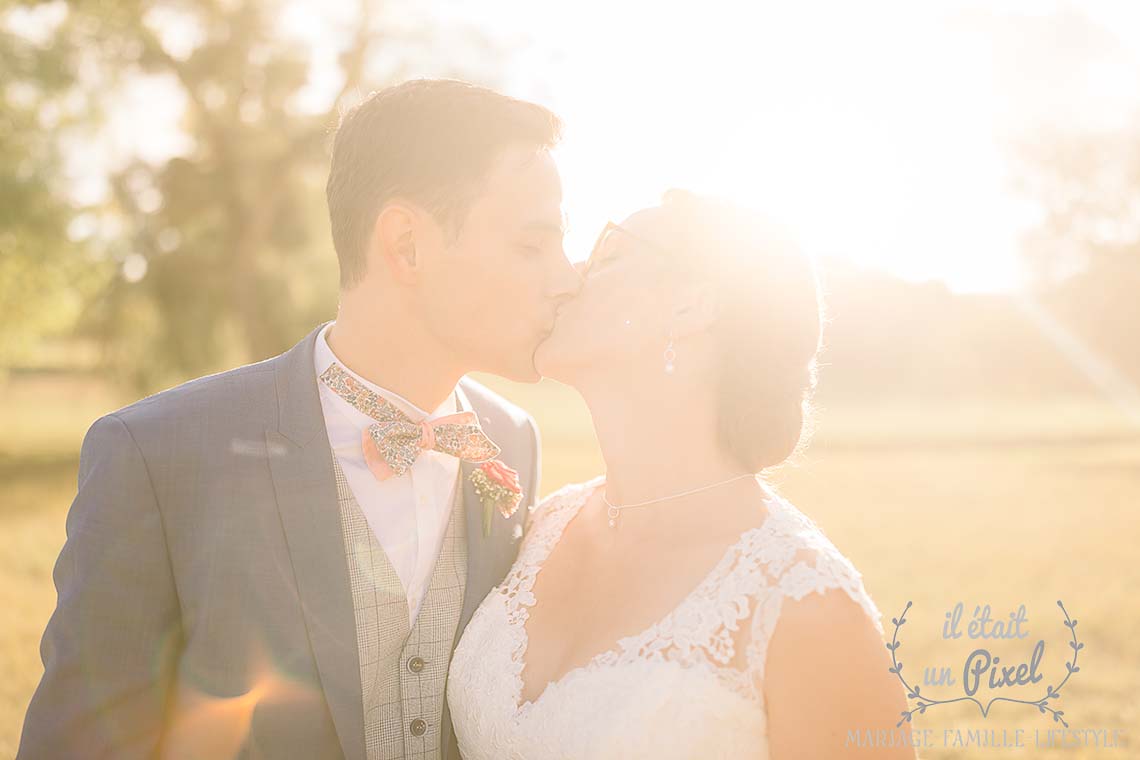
{"type": "Point", "coordinates": [546, 227]}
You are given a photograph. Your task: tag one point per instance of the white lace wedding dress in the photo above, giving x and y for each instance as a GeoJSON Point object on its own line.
{"type": "Point", "coordinates": [669, 692]}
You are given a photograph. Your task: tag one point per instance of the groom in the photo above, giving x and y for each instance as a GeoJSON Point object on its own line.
{"type": "Point", "coordinates": [276, 561]}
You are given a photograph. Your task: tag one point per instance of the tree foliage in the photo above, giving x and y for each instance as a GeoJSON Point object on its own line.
{"type": "Point", "coordinates": [44, 275]}
{"type": "Point", "coordinates": [1085, 253]}
{"type": "Point", "coordinates": [220, 251]}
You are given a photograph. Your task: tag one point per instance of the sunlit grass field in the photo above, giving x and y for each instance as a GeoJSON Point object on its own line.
{"type": "Point", "coordinates": [984, 502]}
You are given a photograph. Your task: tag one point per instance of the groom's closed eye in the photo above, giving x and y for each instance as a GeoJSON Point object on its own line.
{"type": "Point", "coordinates": [538, 238]}
{"type": "Point", "coordinates": [542, 231]}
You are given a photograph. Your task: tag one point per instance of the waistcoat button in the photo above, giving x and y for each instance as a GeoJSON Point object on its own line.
{"type": "Point", "coordinates": [418, 727]}
{"type": "Point", "coordinates": [416, 664]}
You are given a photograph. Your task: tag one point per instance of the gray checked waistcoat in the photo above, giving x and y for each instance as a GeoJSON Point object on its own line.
{"type": "Point", "coordinates": [403, 671]}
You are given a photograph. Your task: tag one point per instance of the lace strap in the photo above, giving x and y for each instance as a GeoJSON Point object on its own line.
{"type": "Point", "coordinates": [800, 561]}
{"type": "Point", "coordinates": [548, 519]}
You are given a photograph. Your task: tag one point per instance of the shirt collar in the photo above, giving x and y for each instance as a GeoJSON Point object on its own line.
{"type": "Point", "coordinates": [323, 357]}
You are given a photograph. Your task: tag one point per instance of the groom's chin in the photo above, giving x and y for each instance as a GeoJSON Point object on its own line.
{"type": "Point", "coordinates": [532, 376]}
{"type": "Point", "coordinates": [519, 370]}
{"type": "Point", "coordinates": [542, 359]}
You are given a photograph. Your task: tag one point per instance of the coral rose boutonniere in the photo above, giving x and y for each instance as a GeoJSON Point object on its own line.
{"type": "Point", "coordinates": [498, 488]}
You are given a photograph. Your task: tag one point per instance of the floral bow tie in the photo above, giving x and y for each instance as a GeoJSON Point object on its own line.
{"type": "Point", "coordinates": [393, 443]}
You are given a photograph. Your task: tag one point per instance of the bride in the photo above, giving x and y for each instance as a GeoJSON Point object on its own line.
{"type": "Point", "coordinates": [678, 607]}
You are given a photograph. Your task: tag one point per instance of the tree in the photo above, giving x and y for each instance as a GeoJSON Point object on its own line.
{"type": "Point", "coordinates": [1086, 251]}
{"type": "Point", "coordinates": [44, 275]}
{"type": "Point", "coordinates": [222, 251]}
{"type": "Point", "coordinates": [1088, 188]}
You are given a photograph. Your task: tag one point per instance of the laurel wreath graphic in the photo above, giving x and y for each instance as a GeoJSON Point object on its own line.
{"type": "Point", "coordinates": [924, 702]}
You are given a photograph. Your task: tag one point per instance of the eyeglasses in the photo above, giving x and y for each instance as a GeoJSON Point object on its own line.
{"type": "Point", "coordinates": [608, 230]}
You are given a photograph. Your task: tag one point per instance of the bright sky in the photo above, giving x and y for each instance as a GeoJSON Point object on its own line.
{"type": "Point", "coordinates": [877, 130]}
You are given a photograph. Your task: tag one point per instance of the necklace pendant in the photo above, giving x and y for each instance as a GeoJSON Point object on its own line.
{"type": "Point", "coordinates": [613, 513]}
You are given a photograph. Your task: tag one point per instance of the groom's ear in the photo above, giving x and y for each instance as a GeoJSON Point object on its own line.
{"type": "Point", "coordinates": [394, 241]}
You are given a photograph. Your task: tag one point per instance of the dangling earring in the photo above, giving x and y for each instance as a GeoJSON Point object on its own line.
{"type": "Point", "coordinates": [670, 355]}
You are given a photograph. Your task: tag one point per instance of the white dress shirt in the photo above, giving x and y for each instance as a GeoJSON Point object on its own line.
{"type": "Point", "coordinates": [408, 514]}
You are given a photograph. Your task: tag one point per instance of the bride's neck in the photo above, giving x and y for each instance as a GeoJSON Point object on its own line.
{"type": "Point", "coordinates": [657, 441]}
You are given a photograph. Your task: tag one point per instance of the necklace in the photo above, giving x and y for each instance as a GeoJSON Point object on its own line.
{"type": "Point", "coordinates": [613, 511]}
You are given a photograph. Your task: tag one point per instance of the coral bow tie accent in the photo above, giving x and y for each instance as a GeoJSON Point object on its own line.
{"type": "Point", "coordinates": [393, 443]}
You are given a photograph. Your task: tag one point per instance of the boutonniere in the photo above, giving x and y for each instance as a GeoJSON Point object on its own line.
{"type": "Point", "coordinates": [498, 488]}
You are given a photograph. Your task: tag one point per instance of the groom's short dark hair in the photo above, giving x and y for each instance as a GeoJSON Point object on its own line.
{"type": "Point", "coordinates": [428, 140]}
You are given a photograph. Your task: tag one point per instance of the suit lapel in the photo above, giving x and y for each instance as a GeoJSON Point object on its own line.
{"type": "Point", "coordinates": [477, 549]}
{"type": "Point", "coordinates": [301, 465]}
{"type": "Point", "coordinates": [474, 589]}
{"type": "Point", "coordinates": [488, 557]}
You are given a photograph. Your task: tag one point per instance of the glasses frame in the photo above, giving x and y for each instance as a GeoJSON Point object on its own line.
{"type": "Point", "coordinates": [612, 227]}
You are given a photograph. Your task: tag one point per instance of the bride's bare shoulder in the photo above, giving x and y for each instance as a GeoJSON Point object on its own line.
{"type": "Point", "coordinates": [568, 496]}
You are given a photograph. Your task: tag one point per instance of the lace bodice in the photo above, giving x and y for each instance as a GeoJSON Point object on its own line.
{"type": "Point", "coordinates": [677, 689]}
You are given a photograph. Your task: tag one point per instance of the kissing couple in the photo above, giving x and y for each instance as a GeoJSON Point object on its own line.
{"type": "Point", "coordinates": [339, 552]}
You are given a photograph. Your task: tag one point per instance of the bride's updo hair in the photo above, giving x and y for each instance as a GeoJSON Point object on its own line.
{"type": "Point", "coordinates": [769, 326]}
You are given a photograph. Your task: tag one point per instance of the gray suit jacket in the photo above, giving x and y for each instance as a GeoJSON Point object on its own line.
{"type": "Point", "coordinates": [204, 607]}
